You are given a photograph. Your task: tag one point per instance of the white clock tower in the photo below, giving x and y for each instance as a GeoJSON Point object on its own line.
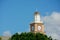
{"type": "Point", "coordinates": [37, 25]}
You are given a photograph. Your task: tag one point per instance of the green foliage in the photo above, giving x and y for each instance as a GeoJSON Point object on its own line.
{"type": "Point", "coordinates": [50, 38]}
{"type": "Point", "coordinates": [30, 36]}
{"type": "Point", "coordinates": [0, 38]}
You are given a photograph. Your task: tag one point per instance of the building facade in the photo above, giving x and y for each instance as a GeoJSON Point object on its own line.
{"type": "Point", "coordinates": [37, 25]}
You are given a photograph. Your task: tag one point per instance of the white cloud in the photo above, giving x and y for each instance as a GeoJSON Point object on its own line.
{"type": "Point", "coordinates": [52, 24]}
{"type": "Point", "coordinates": [7, 33]}
{"type": "Point", "coordinates": [55, 36]}
{"type": "Point", "coordinates": [19, 32]}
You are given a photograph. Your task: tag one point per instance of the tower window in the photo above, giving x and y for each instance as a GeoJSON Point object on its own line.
{"type": "Point", "coordinates": [32, 28]}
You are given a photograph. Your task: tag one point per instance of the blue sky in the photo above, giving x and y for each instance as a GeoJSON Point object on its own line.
{"type": "Point", "coordinates": [16, 15]}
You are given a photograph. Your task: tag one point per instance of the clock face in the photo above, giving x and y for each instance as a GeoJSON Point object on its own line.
{"type": "Point", "coordinates": [39, 28]}
{"type": "Point", "coordinates": [32, 28]}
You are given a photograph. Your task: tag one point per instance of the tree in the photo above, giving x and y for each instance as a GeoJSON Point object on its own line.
{"type": "Point", "coordinates": [0, 38]}
{"type": "Point", "coordinates": [30, 36]}
{"type": "Point", "coordinates": [50, 38]}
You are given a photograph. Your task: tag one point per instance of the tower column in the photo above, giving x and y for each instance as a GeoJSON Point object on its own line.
{"type": "Point", "coordinates": [37, 25]}
{"type": "Point", "coordinates": [37, 17]}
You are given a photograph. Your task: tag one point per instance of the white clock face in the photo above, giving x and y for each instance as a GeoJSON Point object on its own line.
{"type": "Point", "coordinates": [39, 28]}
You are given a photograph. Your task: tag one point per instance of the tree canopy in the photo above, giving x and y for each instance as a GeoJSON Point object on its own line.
{"type": "Point", "coordinates": [30, 36]}
{"type": "Point", "coordinates": [0, 38]}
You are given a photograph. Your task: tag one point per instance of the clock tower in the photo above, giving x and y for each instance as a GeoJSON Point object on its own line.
{"type": "Point", "coordinates": [37, 25]}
